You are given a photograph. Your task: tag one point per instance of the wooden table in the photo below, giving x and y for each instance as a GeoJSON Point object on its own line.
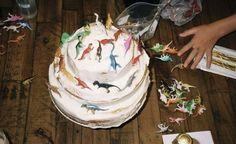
{"type": "Point", "coordinates": [24, 109]}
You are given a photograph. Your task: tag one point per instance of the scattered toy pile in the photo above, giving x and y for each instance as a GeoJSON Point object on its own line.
{"type": "Point", "coordinates": [174, 94]}
{"type": "Point", "coordinates": [13, 22]}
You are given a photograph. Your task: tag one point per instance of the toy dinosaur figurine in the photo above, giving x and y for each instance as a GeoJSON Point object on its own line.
{"type": "Point", "coordinates": [99, 52]}
{"type": "Point", "coordinates": [168, 49]}
{"type": "Point", "coordinates": [64, 37]}
{"type": "Point", "coordinates": [92, 108]}
{"type": "Point", "coordinates": [200, 110]}
{"type": "Point", "coordinates": [109, 21]}
{"type": "Point", "coordinates": [165, 58]}
{"type": "Point", "coordinates": [62, 69]}
{"type": "Point", "coordinates": [78, 46]}
{"type": "Point", "coordinates": [53, 88]}
{"type": "Point", "coordinates": [183, 86]}
{"type": "Point", "coordinates": [180, 66]}
{"type": "Point", "coordinates": [105, 85]}
{"type": "Point", "coordinates": [106, 41]}
{"type": "Point", "coordinates": [128, 43]}
{"type": "Point", "coordinates": [81, 83]}
{"type": "Point", "coordinates": [81, 36]}
{"type": "Point", "coordinates": [187, 107]}
{"type": "Point", "coordinates": [174, 100]}
{"type": "Point", "coordinates": [112, 57]}
{"type": "Point", "coordinates": [13, 18]}
{"type": "Point", "coordinates": [163, 96]}
{"type": "Point", "coordinates": [136, 59]}
{"type": "Point", "coordinates": [177, 120]}
{"type": "Point", "coordinates": [2, 50]}
{"type": "Point", "coordinates": [99, 24]}
{"type": "Point", "coordinates": [163, 128]}
{"type": "Point", "coordinates": [27, 81]}
{"type": "Point", "coordinates": [117, 34]}
{"type": "Point", "coordinates": [24, 24]}
{"type": "Point", "coordinates": [12, 27]}
{"type": "Point", "coordinates": [130, 80]}
{"type": "Point", "coordinates": [85, 33]}
{"type": "Point", "coordinates": [171, 51]}
{"type": "Point", "coordinates": [164, 48]}
{"type": "Point", "coordinates": [157, 48]}
{"type": "Point", "coordinates": [17, 40]}
{"type": "Point", "coordinates": [181, 108]}
{"type": "Point", "coordinates": [86, 51]}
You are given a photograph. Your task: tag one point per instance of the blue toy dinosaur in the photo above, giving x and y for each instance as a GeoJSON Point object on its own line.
{"type": "Point", "coordinates": [92, 108]}
{"type": "Point", "coordinates": [165, 58]}
{"type": "Point", "coordinates": [114, 63]}
{"type": "Point", "coordinates": [130, 80]}
{"type": "Point", "coordinates": [105, 85]}
{"type": "Point", "coordinates": [24, 24]}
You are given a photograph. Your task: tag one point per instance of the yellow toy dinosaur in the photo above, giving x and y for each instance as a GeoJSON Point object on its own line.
{"type": "Point", "coordinates": [109, 21]}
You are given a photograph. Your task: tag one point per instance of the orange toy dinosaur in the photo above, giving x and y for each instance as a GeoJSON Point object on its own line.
{"type": "Point", "coordinates": [168, 49]}
{"type": "Point", "coordinates": [18, 39]}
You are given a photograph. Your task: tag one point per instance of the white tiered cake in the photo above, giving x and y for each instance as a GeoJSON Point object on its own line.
{"type": "Point", "coordinates": [99, 77]}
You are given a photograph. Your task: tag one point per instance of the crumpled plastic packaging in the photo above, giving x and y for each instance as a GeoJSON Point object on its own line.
{"type": "Point", "coordinates": [181, 11]}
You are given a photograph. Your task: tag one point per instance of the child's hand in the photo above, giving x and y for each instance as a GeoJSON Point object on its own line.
{"type": "Point", "coordinates": [203, 41]}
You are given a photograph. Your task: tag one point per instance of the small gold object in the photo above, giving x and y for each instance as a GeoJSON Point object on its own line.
{"type": "Point", "coordinates": [184, 139]}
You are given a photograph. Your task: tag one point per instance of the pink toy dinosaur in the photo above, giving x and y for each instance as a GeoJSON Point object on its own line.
{"type": "Point", "coordinates": [174, 100]}
{"type": "Point", "coordinates": [200, 110]}
{"type": "Point", "coordinates": [13, 18]}
{"type": "Point", "coordinates": [127, 43]}
{"type": "Point", "coordinates": [181, 109]}
{"type": "Point", "coordinates": [177, 120]}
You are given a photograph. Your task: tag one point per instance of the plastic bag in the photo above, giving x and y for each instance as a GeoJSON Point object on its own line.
{"type": "Point", "coordinates": [181, 11]}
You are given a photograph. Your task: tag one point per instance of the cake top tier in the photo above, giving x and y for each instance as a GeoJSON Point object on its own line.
{"type": "Point", "coordinates": [98, 49]}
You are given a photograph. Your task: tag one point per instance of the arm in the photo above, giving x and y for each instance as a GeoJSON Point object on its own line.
{"type": "Point", "coordinates": [204, 39]}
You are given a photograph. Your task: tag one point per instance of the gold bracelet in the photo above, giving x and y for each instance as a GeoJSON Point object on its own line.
{"type": "Point", "coordinates": [184, 139]}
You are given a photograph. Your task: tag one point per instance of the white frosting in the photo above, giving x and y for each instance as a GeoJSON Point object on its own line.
{"type": "Point", "coordinates": [118, 103]}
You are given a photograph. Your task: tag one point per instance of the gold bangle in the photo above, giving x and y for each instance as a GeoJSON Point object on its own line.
{"type": "Point", "coordinates": [184, 139]}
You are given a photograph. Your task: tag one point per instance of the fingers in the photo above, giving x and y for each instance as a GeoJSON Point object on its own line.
{"type": "Point", "coordinates": [197, 60]}
{"type": "Point", "coordinates": [188, 32]}
{"type": "Point", "coordinates": [209, 58]}
{"type": "Point", "coordinates": [190, 57]}
{"type": "Point", "coordinates": [185, 48]}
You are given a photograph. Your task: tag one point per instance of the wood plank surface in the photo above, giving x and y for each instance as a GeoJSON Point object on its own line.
{"type": "Point", "coordinates": [25, 110]}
